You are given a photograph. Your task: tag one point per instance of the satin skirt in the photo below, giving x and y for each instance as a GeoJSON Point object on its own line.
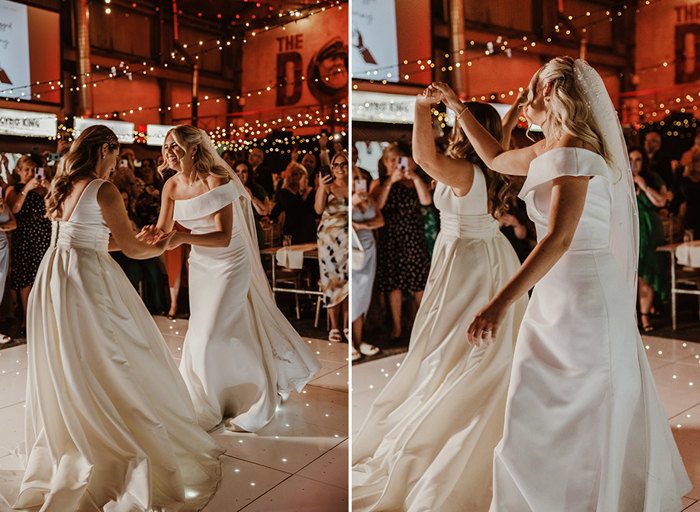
{"type": "Point", "coordinates": [427, 443]}
{"type": "Point", "coordinates": [585, 430]}
{"type": "Point", "coordinates": [109, 423]}
{"type": "Point", "coordinates": [241, 356]}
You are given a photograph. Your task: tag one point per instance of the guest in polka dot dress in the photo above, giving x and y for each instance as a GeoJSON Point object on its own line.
{"type": "Point", "coordinates": [403, 262]}
{"type": "Point", "coordinates": [32, 237]}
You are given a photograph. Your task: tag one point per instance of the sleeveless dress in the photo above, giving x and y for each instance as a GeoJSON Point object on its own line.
{"type": "Point", "coordinates": [403, 262]}
{"type": "Point", "coordinates": [363, 278]}
{"type": "Point", "coordinates": [4, 251]}
{"type": "Point", "coordinates": [427, 443]}
{"type": "Point", "coordinates": [241, 356]}
{"type": "Point", "coordinates": [653, 265]}
{"type": "Point", "coordinates": [30, 240]}
{"type": "Point", "coordinates": [585, 430]}
{"type": "Point", "coordinates": [332, 240]}
{"type": "Point", "coordinates": [109, 424]}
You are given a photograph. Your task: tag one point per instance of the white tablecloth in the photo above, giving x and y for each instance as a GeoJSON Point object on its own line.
{"type": "Point", "coordinates": [293, 256]}
{"type": "Point", "coordinates": [688, 254]}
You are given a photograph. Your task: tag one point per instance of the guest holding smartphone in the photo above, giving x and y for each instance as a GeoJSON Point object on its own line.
{"type": "Point", "coordinates": [32, 237]}
{"type": "Point", "coordinates": [403, 262]}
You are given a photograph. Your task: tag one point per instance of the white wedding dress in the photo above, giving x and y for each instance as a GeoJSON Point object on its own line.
{"type": "Point", "coordinates": [241, 356]}
{"type": "Point", "coordinates": [427, 443]}
{"type": "Point", "coordinates": [585, 430]}
{"type": "Point", "coordinates": [109, 424]}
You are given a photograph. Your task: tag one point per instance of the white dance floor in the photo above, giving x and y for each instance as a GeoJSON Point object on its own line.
{"type": "Point", "coordinates": [299, 462]}
{"type": "Point", "coordinates": [676, 368]}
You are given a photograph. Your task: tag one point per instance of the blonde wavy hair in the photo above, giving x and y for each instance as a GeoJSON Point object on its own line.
{"type": "Point", "coordinates": [79, 163]}
{"type": "Point", "coordinates": [568, 112]}
{"type": "Point", "coordinates": [186, 137]}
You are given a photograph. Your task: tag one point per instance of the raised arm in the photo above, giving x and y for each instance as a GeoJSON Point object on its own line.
{"type": "Point", "coordinates": [455, 173]}
{"type": "Point", "coordinates": [110, 200]}
{"type": "Point", "coordinates": [566, 206]}
{"type": "Point", "coordinates": [516, 161]}
{"type": "Point", "coordinates": [510, 121]}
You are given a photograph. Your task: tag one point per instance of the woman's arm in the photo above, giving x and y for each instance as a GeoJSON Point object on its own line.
{"type": "Point", "coordinates": [657, 197]}
{"type": "Point", "coordinates": [11, 223]}
{"type": "Point", "coordinates": [220, 237]}
{"type": "Point", "coordinates": [510, 121]}
{"type": "Point", "coordinates": [566, 207]}
{"type": "Point", "coordinates": [455, 173]}
{"type": "Point", "coordinates": [112, 205]}
{"type": "Point", "coordinates": [167, 204]}
{"type": "Point", "coordinates": [322, 194]}
{"type": "Point", "coordinates": [375, 222]}
{"type": "Point", "coordinates": [380, 191]}
{"type": "Point", "coordinates": [489, 149]}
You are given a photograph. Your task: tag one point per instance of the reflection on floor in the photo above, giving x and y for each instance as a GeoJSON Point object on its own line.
{"type": "Point", "coordinates": [297, 462]}
{"type": "Point", "coordinates": [676, 368]}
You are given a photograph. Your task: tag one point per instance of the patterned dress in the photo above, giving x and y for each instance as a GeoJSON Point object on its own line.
{"type": "Point", "coordinates": [332, 239]}
{"type": "Point", "coordinates": [30, 240]}
{"type": "Point", "coordinates": [403, 262]}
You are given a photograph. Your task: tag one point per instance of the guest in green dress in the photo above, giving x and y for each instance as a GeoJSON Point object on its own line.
{"type": "Point", "coordinates": [653, 266]}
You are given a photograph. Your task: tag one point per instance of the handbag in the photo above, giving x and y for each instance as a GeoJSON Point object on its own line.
{"type": "Point", "coordinates": [358, 253]}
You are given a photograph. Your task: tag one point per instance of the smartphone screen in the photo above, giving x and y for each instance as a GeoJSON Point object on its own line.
{"type": "Point", "coordinates": [403, 163]}
{"type": "Point", "coordinates": [39, 172]}
{"type": "Point", "coordinates": [361, 187]}
{"type": "Point", "coordinates": [124, 163]}
{"type": "Point", "coordinates": [326, 171]}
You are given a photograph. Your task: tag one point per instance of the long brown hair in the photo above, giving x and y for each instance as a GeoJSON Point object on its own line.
{"type": "Point", "coordinates": [501, 190]}
{"type": "Point", "coordinates": [187, 136]}
{"type": "Point", "coordinates": [79, 163]}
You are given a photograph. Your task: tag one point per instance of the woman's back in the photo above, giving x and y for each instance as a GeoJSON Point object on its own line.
{"type": "Point", "coordinates": [85, 226]}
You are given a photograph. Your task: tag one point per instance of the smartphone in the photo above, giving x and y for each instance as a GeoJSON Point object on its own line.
{"type": "Point", "coordinates": [54, 157]}
{"type": "Point", "coordinates": [403, 163]}
{"type": "Point", "coordinates": [124, 162]}
{"type": "Point", "coordinates": [326, 171]}
{"type": "Point", "coordinates": [361, 187]}
{"type": "Point", "coordinates": [39, 173]}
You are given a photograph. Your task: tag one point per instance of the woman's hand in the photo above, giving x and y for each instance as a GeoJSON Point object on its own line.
{"type": "Point", "coordinates": [149, 234]}
{"type": "Point", "coordinates": [357, 226]}
{"type": "Point", "coordinates": [167, 241]}
{"type": "Point", "coordinates": [324, 184]}
{"type": "Point", "coordinates": [359, 197]}
{"type": "Point", "coordinates": [639, 181]}
{"type": "Point", "coordinates": [484, 327]}
{"type": "Point", "coordinates": [427, 97]}
{"type": "Point", "coordinates": [33, 184]}
{"type": "Point", "coordinates": [447, 95]}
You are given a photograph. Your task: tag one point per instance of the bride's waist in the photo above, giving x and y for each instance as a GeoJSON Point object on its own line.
{"type": "Point", "coordinates": [468, 226]}
{"type": "Point", "coordinates": [95, 238]}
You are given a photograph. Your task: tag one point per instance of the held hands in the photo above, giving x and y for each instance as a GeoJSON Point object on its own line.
{"type": "Point", "coordinates": [446, 95]}
{"type": "Point", "coordinates": [484, 327]}
{"type": "Point", "coordinates": [149, 234]}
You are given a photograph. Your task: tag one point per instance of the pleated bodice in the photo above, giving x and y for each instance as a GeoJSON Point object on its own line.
{"type": "Point", "coordinates": [86, 227]}
{"type": "Point", "coordinates": [467, 216]}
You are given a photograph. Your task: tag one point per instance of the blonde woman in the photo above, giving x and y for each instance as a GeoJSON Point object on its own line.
{"type": "Point", "coordinates": [428, 440]}
{"type": "Point", "coordinates": [584, 427]}
{"type": "Point", "coordinates": [332, 240]}
{"type": "Point", "coordinates": [241, 356]}
{"type": "Point", "coordinates": [108, 422]}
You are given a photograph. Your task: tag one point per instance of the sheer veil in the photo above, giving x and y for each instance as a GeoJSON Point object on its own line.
{"type": "Point", "coordinates": [243, 209]}
{"type": "Point", "coordinates": [624, 226]}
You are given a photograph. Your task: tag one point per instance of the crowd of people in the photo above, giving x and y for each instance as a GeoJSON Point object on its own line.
{"type": "Point", "coordinates": [395, 227]}
{"type": "Point", "coordinates": [309, 209]}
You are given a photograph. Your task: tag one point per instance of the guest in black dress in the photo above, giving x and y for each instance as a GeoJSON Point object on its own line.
{"type": "Point", "coordinates": [296, 200]}
{"type": "Point", "coordinates": [32, 237]}
{"type": "Point", "coordinates": [403, 262]}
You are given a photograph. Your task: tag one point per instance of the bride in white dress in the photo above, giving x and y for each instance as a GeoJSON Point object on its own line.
{"type": "Point", "coordinates": [585, 430]}
{"type": "Point", "coordinates": [109, 425]}
{"type": "Point", "coordinates": [241, 356]}
{"type": "Point", "coordinates": [428, 441]}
